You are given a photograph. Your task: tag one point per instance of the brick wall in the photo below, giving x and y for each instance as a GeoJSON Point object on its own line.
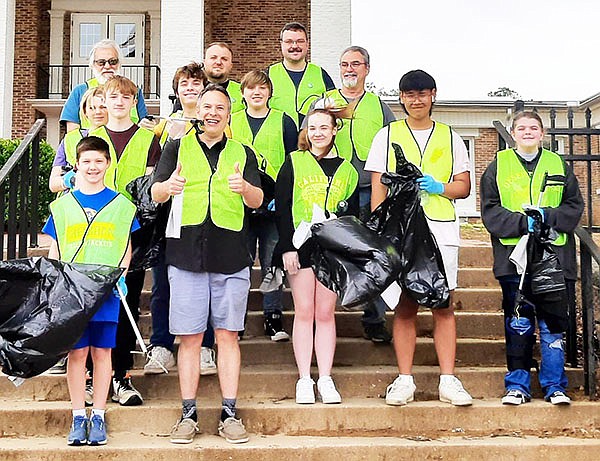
{"type": "Point", "coordinates": [32, 48]}
{"type": "Point", "coordinates": [486, 146]}
{"type": "Point", "coordinates": [253, 37]}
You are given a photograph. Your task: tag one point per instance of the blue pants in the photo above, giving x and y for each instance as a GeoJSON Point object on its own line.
{"type": "Point", "coordinates": [159, 305]}
{"type": "Point", "coordinates": [552, 375]}
{"type": "Point", "coordinates": [262, 231]}
{"type": "Point", "coordinates": [374, 311]}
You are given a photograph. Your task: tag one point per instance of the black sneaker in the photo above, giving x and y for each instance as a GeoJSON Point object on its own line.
{"type": "Point", "coordinates": [124, 393]}
{"type": "Point", "coordinates": [274, 327]}
{"type": "Point", "coordinates": [377, 333]}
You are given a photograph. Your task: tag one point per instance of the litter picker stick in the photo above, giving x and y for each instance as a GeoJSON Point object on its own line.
{"type": "Point", "coordinates": [136, 330]}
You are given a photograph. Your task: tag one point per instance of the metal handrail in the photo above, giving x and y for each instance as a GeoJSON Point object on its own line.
{"type": "Point", "coordinates": [23, 190]}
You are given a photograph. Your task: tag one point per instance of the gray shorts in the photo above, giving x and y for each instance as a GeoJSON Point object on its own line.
{"type": "Point", "coordinates": [197, 295]}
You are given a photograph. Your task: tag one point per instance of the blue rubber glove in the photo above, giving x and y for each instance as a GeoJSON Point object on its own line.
{"type": "Point", "coordinates": [430, 185]}
{"type": "Point", "coordinates": [69, 179]}
{"type": "Point", "coordinates": [271, 205]}
{"type": "Point", "coordinates": [122, 285]}
{"type": "Point", "coordinates": [531, 221]}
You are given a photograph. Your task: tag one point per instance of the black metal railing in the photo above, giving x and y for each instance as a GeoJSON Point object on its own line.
{"type": "Point", "coordinates": [19, 201]}
{"type": "Point", "coordinates": [63, 78]}
{"type": "Point", "coordinates": [589, 253]}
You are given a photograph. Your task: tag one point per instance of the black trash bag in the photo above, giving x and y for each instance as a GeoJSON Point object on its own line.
{"type": "Point", "coordinates": [352, 260]}
{"type": "Point", "coordinates": [45, 306]}
{"type": "Point", "coordinates": [401, 219]}
{"type": "Point", "coordinates": [148, 241]}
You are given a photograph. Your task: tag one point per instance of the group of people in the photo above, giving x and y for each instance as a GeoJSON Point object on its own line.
{"type": "Point", "coordinates": [241, 166]}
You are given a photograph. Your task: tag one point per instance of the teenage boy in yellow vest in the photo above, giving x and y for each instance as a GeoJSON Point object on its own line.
{"type": "Point", "coordinates": [105, 62]}
{"type": "Point", "coordinates": [296, 82]}
{"type": "Point", "coordinates": [353, 141]}
{"type": "Point", "coordinates": [101, 220]}
{"type": "Point", "coordinates": [207, 256]}
{"type": "Point", "coordinates": [515, 178]}
{"type": "Point", "coordinates": [442, 157]}
{"type": "Point", "coordinates": [134, 151]}
{"type": "Point", "coordinates": [273, 135]}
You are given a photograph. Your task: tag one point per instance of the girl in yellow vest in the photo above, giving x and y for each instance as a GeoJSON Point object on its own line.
{"type": "Point", "coordinates": [92, 225]}
{"type": "Point", "coordinates": [513, 179]}
{"type": "Point", "coordinates": [95, 115]}
{"type": "Point", "coordinates": [313, 175]}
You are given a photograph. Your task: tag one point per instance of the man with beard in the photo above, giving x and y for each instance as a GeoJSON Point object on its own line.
{"type": "Point", "coordinates": [353, 141]}
{"type": "Point", "coordinates": [218, 62]}
{"type": "Point", "coordinates": [105, 62]}
{"type": "Point", "coordinates": [296, 82]}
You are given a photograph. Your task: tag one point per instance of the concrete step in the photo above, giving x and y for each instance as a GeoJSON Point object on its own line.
{"type": "Point", "coordinates": [358, 351]}
{"type": "Point", "coordinates": [128, 446]}
{"type": "Point", "coordinates": [468, 324]}
{"type": "Point", "coordinates": [354, 417]}
{"type": "Point", "coordinates": [277, 382]}
{"type": "Point", "coordinates": [475, 254]}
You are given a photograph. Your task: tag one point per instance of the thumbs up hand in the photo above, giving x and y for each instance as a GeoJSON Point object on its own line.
{"type": "Point", "coordinates": [176, 181]}
{"type": "Point", "coordinates": [237, 183]}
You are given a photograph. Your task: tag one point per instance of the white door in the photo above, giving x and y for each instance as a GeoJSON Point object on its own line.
{"type": "Point", "coordinates": [125, 29]}
{"type": "Point", "coordinates": [467, 207]}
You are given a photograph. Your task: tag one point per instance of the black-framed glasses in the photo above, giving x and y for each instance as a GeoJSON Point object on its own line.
{"type": "Point", "coordinates": [352, 65]}
{"type": "Point", "coordinates": [102, 62]}
{"type": "Point", "coordinates": [289, 42]}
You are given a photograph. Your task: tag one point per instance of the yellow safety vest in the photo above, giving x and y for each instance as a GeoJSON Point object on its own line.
{"type": "Point", "coordinates": [291, 100]}
{"type": "Point", "coordinates": [517, 187]}
{"type": "Point", "coordinates": [234, 90]}
{"type": "Point", "coordinates": [206, 192]}
{"type": "Point", "coordinates": [93, 83]}
{"type": "Point", "coordinates": [103, 240]}
{"type": "Point", "coordinates": [312, 185]}
{"type": "Point", "coordinates": [70, 141]}
{"type": "Point", "coordinates": [437, 161]}
{"type": "Point", "coordinates": [356, 135]}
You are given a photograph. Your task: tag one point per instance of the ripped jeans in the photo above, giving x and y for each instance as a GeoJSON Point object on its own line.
{"type": "Point", "coordinates": [552, 375]}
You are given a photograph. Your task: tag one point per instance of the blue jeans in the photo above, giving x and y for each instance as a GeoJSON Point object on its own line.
{"type": "Point", "coordinates": [262, 231]}
{"type": "Point", "coordinates": [552, 375]}
{"type": "Point", "coordinates": [159, 305]}
{"type": "Point", "coordinates": [374, 311]}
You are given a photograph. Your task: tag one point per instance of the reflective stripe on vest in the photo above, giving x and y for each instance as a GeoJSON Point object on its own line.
{"type": "Point", "coordinates": [71, 140]}
{"type": "Point", "coordinates": [313, 186]}
{"type": "Point", "coordinates": [133, 160]}
{"type": "Point", "coordinates": [103, 240]}
{"type": "Point", "coordinates": [356, 134]}
{"type": "Point", "coordinates": [268, 142]}
{"type": "Point", "coordinates": [234, 90]}
{"type": "Point", "coordinates": [206, 190]}
{"type": "Point", "coordinates": [437, 161]}
{"type": "Point", "coordinates": [517, 187]}
{"type": "Point", "coordinates": [93, 83]}
{"type": "Point", "coordinates": [292, 100]}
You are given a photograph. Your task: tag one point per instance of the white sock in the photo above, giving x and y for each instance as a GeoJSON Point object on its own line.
{"type": "Point", "coordinates": [96, 411]}
{"type": "Point", "coordinates": [79, 413]}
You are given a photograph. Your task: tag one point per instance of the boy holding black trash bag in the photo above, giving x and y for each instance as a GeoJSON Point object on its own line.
{"type": "Point", "coordinates": [513, 184]}
{"type": "Point", "coordinates": [92, 225]}
{"type": "Point", "coordinates": [442, 157]}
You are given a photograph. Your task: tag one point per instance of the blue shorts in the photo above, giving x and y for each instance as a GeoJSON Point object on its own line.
{"type": "Point", "coordinates": [102, 335]}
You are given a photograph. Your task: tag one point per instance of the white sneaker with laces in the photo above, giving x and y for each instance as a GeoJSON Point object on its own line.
{"type": "Point", "coordinates": [327, 390]}
{"type": "Point", "coordinates": [452, 391]}
{"type": "Point", "coordinates": [401, 391]}
{"type": "Point", "coordinates": [514, 397]}
{"type": "Point", "coordinates": [162, 355]}
{"type": "Point", "coordinates": [208, 365]}
{"type": "Point", "coordinates": [305, 390]}
{"type": "Point", "coordinates": [558, 398]}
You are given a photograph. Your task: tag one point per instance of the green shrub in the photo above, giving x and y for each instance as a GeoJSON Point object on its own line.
{"type": "Point", "coordinates": [7, 148]}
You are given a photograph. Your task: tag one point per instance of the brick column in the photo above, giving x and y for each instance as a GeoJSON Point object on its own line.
{"type": "Point", "coordinates": [7, 37]}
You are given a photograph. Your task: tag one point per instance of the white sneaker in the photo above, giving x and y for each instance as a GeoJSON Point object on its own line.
{"type": "Point", "coordinates": [558, 398]}
{"type": "Point", "coordinates": [452, 391]}
{"type": "Point", "coordinates": [162, 355]}
{"type": "Point", "coordinates": [305, 390]}
{"type": "Point", "coordinates": [327, 390]}
{"type": "Point", "coordinates": [89, 392]}
{"type": "Point", "coordinates": [208, 365]}
{"type": "Point", "coordinates": [401, 391]}
{"type": "Point", "coordinates": [514, 397]}
{"type": "Point", "coordinates": [124, 393]}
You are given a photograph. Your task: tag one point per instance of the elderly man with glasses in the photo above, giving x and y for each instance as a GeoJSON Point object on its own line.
{"type": "Point", "coordinates": [105, 62]}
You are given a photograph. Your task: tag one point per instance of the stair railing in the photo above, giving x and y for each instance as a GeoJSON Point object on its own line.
{"type": "Point", "coordinates": [19, 196]}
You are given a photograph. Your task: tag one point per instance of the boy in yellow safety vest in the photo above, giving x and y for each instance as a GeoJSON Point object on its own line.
{"type": "Point", "coordinates": [92, 225]}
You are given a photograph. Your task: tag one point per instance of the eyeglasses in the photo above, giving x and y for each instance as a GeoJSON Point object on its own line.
{"type": "Point", "coordinates": [102, 62]}
{"type": "Point", "coordinates": [289, 42]}
{"type": "Point", "coordinates": [351, 65]}
{"type": "Point", "coordinates": [414, 95]}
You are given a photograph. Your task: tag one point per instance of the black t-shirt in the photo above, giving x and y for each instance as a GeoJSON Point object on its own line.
{"type": "Point", "coordinates": [206, 247]}
{"type": "Point", "coordinates": [290, 132]}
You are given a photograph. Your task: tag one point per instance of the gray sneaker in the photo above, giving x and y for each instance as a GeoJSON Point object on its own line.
{"type": "Point", "coordinates": [233, 430]}
{"type": "Point", "coordinates": [208, 364]}
{"type": "Point", "coordinates": [89, 392]}
{"type": "Point", "coordinates": [184, 431]}
{"type": "Point", "coordinates": [158, 356]}
{"type": "Point", "coordinates": [59, 368]}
